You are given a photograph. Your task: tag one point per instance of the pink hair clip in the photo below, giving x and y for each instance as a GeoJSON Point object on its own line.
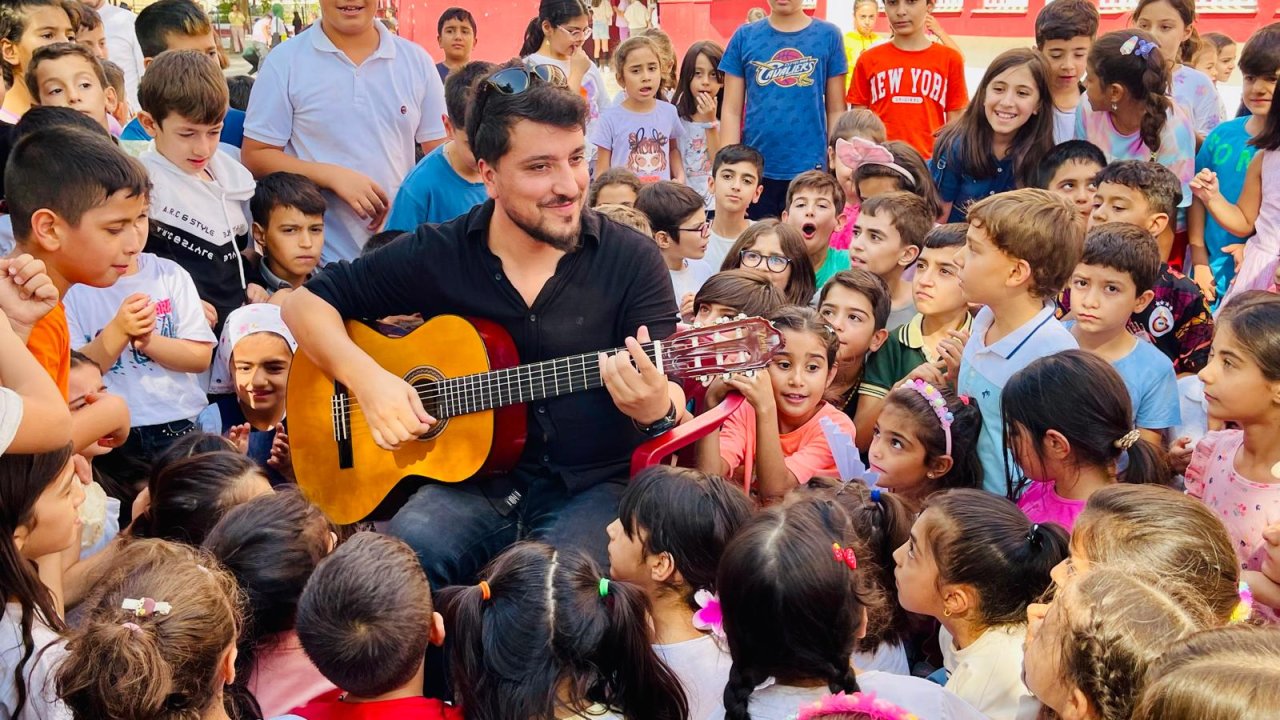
{"type": "Point", "coordinates": [857, 152]}
{"type": "Point", "coordinates": [858, 704]}
{"type": "Point", "coordinates": [938, 404]}
{"type": "Point", "coordinates": [146, 607]}
{"type": "Point", "coordinates": [844, 555]}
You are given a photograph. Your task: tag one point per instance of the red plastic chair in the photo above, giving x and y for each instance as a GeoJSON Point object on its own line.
{"type": "Point", "coordinates": [660, 448]}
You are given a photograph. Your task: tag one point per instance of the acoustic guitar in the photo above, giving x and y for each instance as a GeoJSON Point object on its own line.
{"type": "Point", "coordinates": [469, 378]}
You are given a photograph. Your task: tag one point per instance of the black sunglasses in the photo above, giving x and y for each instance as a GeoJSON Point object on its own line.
{"type": "Point", "coordinates": [515, 80]}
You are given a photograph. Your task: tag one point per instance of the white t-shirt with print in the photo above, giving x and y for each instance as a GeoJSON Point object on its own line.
{"type": "Point", "coordinates": [42, 696]}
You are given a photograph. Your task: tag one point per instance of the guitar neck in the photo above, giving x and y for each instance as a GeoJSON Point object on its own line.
{"type": "Point", "coordinates": [521, 384]}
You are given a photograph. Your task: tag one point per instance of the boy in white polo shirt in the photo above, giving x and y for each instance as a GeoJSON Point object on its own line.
{"type": "Point", "coordinates": [343, 104]}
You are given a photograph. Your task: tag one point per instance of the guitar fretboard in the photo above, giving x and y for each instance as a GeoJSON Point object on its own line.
{"type": "Point", "coordinates": [521, 384]}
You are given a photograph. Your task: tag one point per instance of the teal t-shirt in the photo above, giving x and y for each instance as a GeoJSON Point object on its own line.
{"type": "Point", "coordinates": [1227, 152]}
{"type": "Point", "coordinates": [837, 261]}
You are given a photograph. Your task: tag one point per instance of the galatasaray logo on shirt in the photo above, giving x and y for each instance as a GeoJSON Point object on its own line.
{"type": "Point", "coordinates": [787, 68]}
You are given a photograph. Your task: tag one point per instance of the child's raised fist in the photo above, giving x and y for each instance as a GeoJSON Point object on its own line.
{"type": "Point", "coordinates": [27, 292]}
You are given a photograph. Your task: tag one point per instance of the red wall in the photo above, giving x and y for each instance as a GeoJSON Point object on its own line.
{"type": "Point", "coordinates": [974, 21]}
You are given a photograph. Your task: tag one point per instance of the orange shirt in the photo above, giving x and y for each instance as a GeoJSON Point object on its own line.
{"type": "Point", "coordinates": [805, 450]}
{"type": "Point", "coordinates": [910, 90]}
{"type": "Point", "coordinates": [50, 343]}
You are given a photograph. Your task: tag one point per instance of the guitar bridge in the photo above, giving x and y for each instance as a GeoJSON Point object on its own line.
{"type": "Point", "coordinates": [341, 410]}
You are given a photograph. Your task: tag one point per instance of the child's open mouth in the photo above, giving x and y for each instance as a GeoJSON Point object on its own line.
{"type": "Point", "coordinates": [808, 230]}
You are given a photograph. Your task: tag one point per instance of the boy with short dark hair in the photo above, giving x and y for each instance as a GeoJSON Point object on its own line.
{"type": "Point", "coordinates": [69, 75]}
{"type": "Point", "coordinates": [1070, 170]}
{"type": "Point", "coordinates": [365, 620]}
{"type": "Point", "coordinates": [736, 175]}
{"type": "Point", "coordinates": [79, 205]}
{"type": "Point", "coordinates": [855, 303]}
{"type": "Point", "coordinates": [288, 230]}
{"type": "Point", "coordinates": [1177, 320]}
{"type": "Point", "coordinates": [680, 229]}
{"type": "Point", "coordinates": [91, 33]}
{"type": "Point", "coordinates": [199, 208]}
{"type": "Point", "coordinates": [783, 87]}
{"type": "Point", "coordinates": [456, 34]}
{"type": "Point", "coordinates": [912, 83]}
{"type": "Point", "coordinates": [730, 293]}
{"type": "Point", "coordinates": [179, 25]}
{"type": "Point", "coordinates": [445, 183]}
{"type": "Point", "coordinates": [1020, 248]}
{"type": "Point", "coordinates": [940, 309]}
{"type": "Point", "coordinates": [1065, 30]}
{"type": "Point", "coordinates": [815, 207]}
{"type": "Point", "coordinates": [887, 238]}
{"type": "Point", "coordinates": [1113, 282]}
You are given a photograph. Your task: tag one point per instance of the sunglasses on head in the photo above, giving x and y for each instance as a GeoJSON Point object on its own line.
{"type": "Point", "coordinates": [515, 80]}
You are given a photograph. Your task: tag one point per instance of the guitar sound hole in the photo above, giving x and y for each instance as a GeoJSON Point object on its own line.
{"type": "Point", "coordinates": [422, 378]}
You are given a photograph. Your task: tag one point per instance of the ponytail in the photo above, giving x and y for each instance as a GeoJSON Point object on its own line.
{"type": "Point", "coordinates": [555, 12]}
{"type": "Point", "coordinates": [533, 37]}
{"type": "Point", "coordinates": [128, 676]}
{"type": "Point", "coordinates": [643, 686]}
{"type": "Point", "coordinates": [1141, 72]}
{"type": "Point", "coordinates": [743, 681]}
{"type": "Point", "coordinates": [1155, 82]}
{"type": "Point", "coordinates": [1144, 464]}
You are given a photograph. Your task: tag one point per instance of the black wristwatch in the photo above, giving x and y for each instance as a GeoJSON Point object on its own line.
{"type": "Point", "coordinates": [662, 424]}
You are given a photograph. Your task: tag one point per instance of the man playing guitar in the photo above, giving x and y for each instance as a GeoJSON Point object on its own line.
{"type": "Point", "coordinates": [561, 282]}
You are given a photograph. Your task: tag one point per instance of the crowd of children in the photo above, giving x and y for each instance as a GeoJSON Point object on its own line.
{"type": "Point", "coordinates": [1008, 462]}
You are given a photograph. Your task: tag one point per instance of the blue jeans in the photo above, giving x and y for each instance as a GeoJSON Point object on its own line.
{"type": "Point", "coordinates": [456, 528]}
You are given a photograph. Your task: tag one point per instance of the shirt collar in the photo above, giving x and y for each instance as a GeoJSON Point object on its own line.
{"type": "Point", "coordinates": [478, 223]}
{"type": "Point", "coordinates": [386, 41]}
{"type": "Point", "coordinates": [911, 334]}
{"type": "Point", "coordinates": [1010, 344]}
{"type": "Point", "coordinates": [274, 281]}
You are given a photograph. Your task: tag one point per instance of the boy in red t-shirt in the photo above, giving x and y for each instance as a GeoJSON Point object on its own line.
{"type": "Point", "coordinates": [913, 84]}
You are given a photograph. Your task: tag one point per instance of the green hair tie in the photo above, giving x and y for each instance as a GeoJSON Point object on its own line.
{"type": "Point", "coordinates": [604, 587]}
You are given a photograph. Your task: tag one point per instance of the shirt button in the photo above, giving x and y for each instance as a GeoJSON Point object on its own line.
{"type": "Point", "coordinates": [542, 409]}
{"type": "Point", "coordinates": [999, 170]}
{"type": "Point", "coordinates": [497, 276]}
{"type": "Point", "coordinates": [533, 318]}
{"type": "Point", "coordinates": [546, 458]}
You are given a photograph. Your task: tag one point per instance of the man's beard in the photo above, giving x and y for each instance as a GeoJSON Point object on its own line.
{"type": "Point", "coordinates": [565, 241]}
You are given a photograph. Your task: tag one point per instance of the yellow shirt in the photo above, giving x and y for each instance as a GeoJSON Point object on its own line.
{"type": "Point", "coordinates": [855, 43]}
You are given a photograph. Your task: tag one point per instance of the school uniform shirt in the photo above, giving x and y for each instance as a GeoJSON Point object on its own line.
{"type": "Point", "coordinates": [639, 142]}
{"type": "Point", "coordinates": [697, 161]}
{"type": "Point", "coordinates": [805, 450]}
{"type": "Point", "coordinates": [985, 368]}
{"type": "Point", "coordinates": [202, 224]}
{"type": "Point", "coordinates": [901, 353]}
{"type": "Point", "coordinates": [1177, 142]}
{"type": "Point", "coordinates": [702, 666]}
{"type": "Point", "coordinates": [1195, 92]}
{"type": "Point", "coordinates": [785, 76]}
{"type": "Point", "coordinates": [960, 188]}
{"type": "Point", "coordinates": [155, 394]}
{"type": "Point", "coordinates": [988, 673]}
{"type": "Point", "coordinates": [1227, 152]}
{"type": "Point", "coordinates": [433, 192]}
{"type": "Point", "coordinates": [927, 700]}
{"type": "Point", "coordinates": [911, 90]}
{"type": "Point", "coordinates": [50, 344]}
{"type": "Point", "coordinates": [311, 100]}
{"type": "Point", "coordinates": [38, 672]}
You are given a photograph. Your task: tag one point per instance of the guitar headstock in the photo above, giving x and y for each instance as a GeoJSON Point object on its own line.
{"type": "Point", "coordinates": [737, 345]}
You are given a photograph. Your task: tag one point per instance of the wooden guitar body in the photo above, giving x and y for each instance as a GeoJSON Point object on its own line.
{"type": "Point", "coordinates": [349, 476]}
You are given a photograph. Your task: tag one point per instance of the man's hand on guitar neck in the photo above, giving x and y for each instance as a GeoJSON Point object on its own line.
{"type": "Point", "coordinates": [640, 391]}
{"type": "Point", "coordinates": [392, 409]}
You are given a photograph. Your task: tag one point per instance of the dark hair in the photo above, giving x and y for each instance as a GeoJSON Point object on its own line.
{"type": "Point", "coordinates": [1037, 226]}
{"type": "Point", "coordinates": [947, 235]}
{"type": "Point", "coordinates": [687, 513]}
{"type": "Point", "coordinates": [115, 76]}
{"type": "Point", "coordinates": [686, 103]}
{"type": "Point", "coordinates": [984, 541]}
{"type": "Point", "coordinates": [239, 87]}
{"type": "Point", "coordinates": [554, 12]}
{"type": "Point", "coordinates": [460, 90]}
{"type": "Point", "coordinates": [1032, 404]}
{"type": "Point", "coordinates": [40, 117]}
{"type": "Point", "coordinates": [1186, 10]}
{"type": "Point", "coordinates": [380, 239]}
{"type": "Point", "coordinates": [802, 318]}
{"type": "Point", "coordinates": [820, 181]}
{"type": "Point", "coordinates": [739, 153]}
{"type": "Point", "coordinates": [790, 609]}
{"type": "Point", "coordinates": [69, 171]}
{"type": "Point", "coordinates": [554, 633]}
{"type": "Point", "coordinates": [1081, 151]}
{"type": "Point", "coordinates": [455, 13]}
{"type": "Point", "coordinates": [190, 445]}
{"type": "Point", "coordinates": [78, 358]}
{"type": "Point", "coordinates": [1261, 53]}
{"type": "Point", "coordinates": [667, 204]}
{"type": "Point", "coordinates": [157, 21]}
{"type": "Point", "coordinates": [492, 114]}
{"type": "Point", "coordinates": [742, 290]}
{"type": "Point", "coordinates": [1157, 183]}
{"type": "Point", "coordinates": [1124, 247]}
{"type": "Point", "coordinates": [122, 664]}
{"type": "Point", "coordinates": [1145, 78]}
{"type": "Point", "coordinates": [185, 83]}
{"type": "Point", "coordinates": [1253, 322]}
{"type": "Point", "coordinates": [13, 23]}
{"type": "Point", "coordinates": [612, 176]}
{"type": "Point", "coordinates": [365, 615]}
{"type": "Point", "coordinates": [966, 427]}
{"type": "Point", "coordinates": [801, 286]}
{"type": "Point", "coordinates": [1066, 19]}
{"type": "Point", "coordinates": [911, 161]}
{"type": "Point", "coordinates": [910, 214]}
{"type": "Point", "coordinates": [969, 139]}
{"type": "Point", "coordinates": [867, 284]}
{"type": "Point", "coordinates": [1218, 40]}
{"type": "Point", "coordinates": [86, 17]}
{"type": "Point", "coordinates": [189, 496]}
{"type": "Point", "coordinates": [57, 51]}
{"type": "Point", "coordinates": [271, 544]}
{"type": "Point", "coordinates": [1269, 137]}
{"type": "Point", "coordinates": [285, 190]}
{"type": "Point", "coordinates": [23, 478]}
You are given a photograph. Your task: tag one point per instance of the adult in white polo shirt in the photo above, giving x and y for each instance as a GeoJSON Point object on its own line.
{"type": "Point", "coordinates": [122, 44]}
{"type": "Point", "coordinates": [343, 104]}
